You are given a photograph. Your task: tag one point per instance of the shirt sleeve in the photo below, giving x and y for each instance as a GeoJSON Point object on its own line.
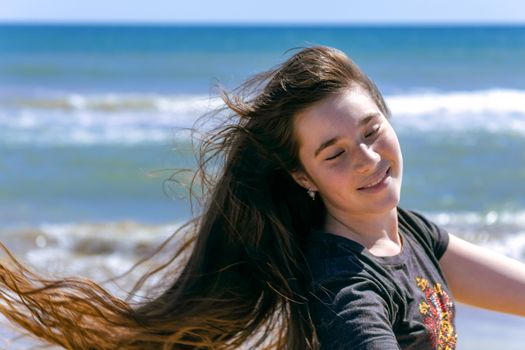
{"type": "Point", "coordinates": [436, 236]}
{"type": "Point", "coordinates": [352, 314]}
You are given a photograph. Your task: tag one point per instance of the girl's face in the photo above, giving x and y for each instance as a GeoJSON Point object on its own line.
{"type": "Point", "coordinates": [350, 154]}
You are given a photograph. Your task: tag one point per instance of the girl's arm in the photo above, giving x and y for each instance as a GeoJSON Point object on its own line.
{"type": "Point", "coordinates": [482, 278]}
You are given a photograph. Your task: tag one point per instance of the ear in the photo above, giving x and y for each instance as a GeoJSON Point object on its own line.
{"type": "Point", "coordinates": [303, 180]}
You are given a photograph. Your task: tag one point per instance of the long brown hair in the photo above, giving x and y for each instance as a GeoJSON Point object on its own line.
{"type": "Point", "coordinates": [245, 280]}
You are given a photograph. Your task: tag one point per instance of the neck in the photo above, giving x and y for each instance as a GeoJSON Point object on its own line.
{"type": "Point", "coordinates": [376, 232]}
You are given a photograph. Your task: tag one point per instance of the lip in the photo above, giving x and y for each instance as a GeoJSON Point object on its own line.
{"type": "Point", "coordinates": [379, 180]}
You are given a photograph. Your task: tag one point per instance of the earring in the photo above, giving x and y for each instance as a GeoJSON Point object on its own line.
{"type": "Point", "coordinates": [311, 193]}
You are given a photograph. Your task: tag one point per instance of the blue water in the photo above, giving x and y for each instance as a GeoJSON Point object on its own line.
{"type": "Point", "coordinates": [188, 59]}
{"type": "Point", "coordinates": [88, 112]}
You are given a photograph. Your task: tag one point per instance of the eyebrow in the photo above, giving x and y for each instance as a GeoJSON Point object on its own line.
{"type": "Point", "coordinates": [333, 140]}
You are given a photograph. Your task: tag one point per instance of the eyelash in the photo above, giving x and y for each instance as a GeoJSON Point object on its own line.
{"type": "Point", "coordinates": [335, 156]}
{"type": "Point", "coordinates": [374, 131]}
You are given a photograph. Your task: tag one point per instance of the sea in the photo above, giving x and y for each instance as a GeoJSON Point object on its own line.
{"type": "Point", "coordinates": [94, 120]}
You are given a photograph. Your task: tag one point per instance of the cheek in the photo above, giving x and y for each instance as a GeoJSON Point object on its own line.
{"type": "Point", "coordinates": [390, 143]}
{"type": "Point", "coordinates": [392, 150]}
{"type": "Point", "coordinates": [335, 180]}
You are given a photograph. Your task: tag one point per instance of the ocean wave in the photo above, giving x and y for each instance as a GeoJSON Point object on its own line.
{"type": "Point", "coordinates": [125, 238]}
{"type": "Point", "coordinates": [496, 110]}
{"type": "Point", "coordinates": [138, 118]}
{"type": "Point", "coordinates": [514, 218]}
{"type": "Point", "coordinates": [95, 250]}
{"type": "Point", "coordinates": [493, 101]}
{"type": "Point", "coordinates": [502, 231]}
{"type": "Point", "coordinates": [112, 102]}
{"type": "Point", "coordinates": [117, 245]}
{"type": "Point", "coordinates": [410, 103]}
{"type": "Point", "coordinates": [100, 119]}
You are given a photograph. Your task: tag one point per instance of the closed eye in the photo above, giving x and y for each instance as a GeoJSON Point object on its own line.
{"type": "Point", "coordinates": [335, 156]}
{"type": "Point", "coordinates": [374, 130]}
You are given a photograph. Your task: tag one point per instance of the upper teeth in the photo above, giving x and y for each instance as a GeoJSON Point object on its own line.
{"type": "Point", "coordinates": [375, 183]}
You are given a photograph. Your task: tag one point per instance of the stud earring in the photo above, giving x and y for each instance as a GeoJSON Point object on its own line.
{"type": "Point", "coordinates": [311, 193]}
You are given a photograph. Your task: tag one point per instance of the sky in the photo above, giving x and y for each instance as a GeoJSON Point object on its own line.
{"type": "Point", "coordinates": [265, 11]}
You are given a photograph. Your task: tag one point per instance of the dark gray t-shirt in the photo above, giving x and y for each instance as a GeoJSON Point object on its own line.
{"type": "Point", "coordinates": [360, 301]}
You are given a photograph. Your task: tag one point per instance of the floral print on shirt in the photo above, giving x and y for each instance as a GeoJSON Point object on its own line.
{"type": "Point", "coordinates": [438, 311]}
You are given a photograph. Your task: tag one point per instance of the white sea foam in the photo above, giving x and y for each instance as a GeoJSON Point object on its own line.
{"type": "Point", "coordinates": [98, 251]}
{"type": "Point", "coordinates": [516, 218]}
{"type": "Point", "coordinates": [494, 101]}
{"type": "Point", "coordinates": [114, 102]}
{"type": "Point", "coordinates": [503, 231]}
{"type": "Point", "coordinates": [491, 110]}
{"type": "Point", "coordinates": [107, 249]}
{"type": "Point", "coordinates": [137, 118]}
{"type": "Point", "coordinates": [411, 103]}
{"type": "Point", "coordinates": [100, 119]}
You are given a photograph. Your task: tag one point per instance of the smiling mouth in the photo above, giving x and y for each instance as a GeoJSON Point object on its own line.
{"type": "Point", "coordinates": [378, 182]}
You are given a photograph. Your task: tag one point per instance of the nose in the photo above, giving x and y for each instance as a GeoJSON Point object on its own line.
{"type": "Point", "coordinates": [366, 158]}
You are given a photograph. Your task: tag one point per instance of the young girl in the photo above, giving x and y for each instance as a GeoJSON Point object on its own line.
{"type": "Point", "coordinates": [300, 244]}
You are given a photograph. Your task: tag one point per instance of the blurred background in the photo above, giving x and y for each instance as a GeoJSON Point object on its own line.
{"type": "Point", "coordinates": [94, 95]}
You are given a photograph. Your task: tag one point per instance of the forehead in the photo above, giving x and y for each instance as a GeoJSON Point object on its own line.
{"type": "Point", "coordinates": [333, 116]}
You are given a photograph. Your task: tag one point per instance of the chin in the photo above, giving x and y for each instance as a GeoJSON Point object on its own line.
{"type": "Point", "coordinates": [389, 203]}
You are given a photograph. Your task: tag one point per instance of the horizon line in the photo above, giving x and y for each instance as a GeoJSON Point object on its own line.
{"type": "Point", "coordinates": [266, 23]}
